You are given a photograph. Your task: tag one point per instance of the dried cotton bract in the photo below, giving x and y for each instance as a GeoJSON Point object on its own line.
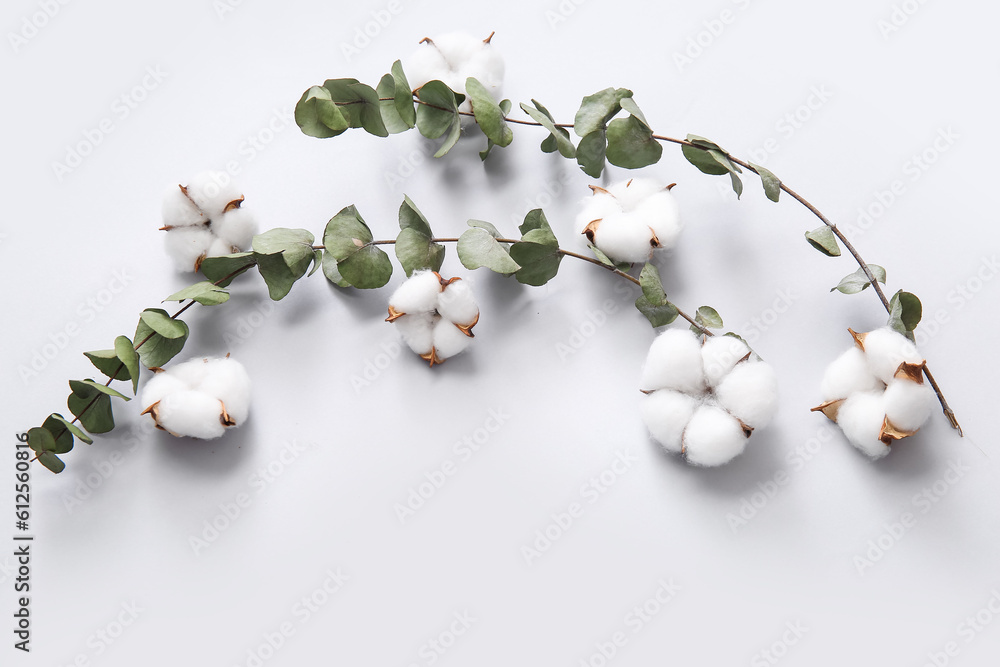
{"type": "Point", "coordinates": [435, 316]}
{"type": "Point", "coordinates": [875, 391]}
{"type": "Point", "coordinates": [629, 220]}
{"type": "Point", "coordinates": [454, 57]}
{"type": "Point", "coordinates": [200, 398]}
{"type": "Point", "coordinates": [205, 219]}
{"type": "Point", "coordinates": [704, 398]}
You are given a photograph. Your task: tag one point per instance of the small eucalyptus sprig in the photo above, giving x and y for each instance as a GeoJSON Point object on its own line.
{"type": "Point", "coordinates": [611, 129]}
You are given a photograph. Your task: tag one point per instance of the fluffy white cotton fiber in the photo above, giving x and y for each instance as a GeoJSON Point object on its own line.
{"type": "Point", "coordinates": [870, 397]}
{"type": "Point", "coordinates": [199, 398]}
{"type": "Point", "coordinates": [434, 316]}
{"type": "Point", "coordinates": [205, 219]}
{"type": "Point", "coordinates": [704, 396]}
{"type": "Point", "coordinates": [452, 58]}
{"type": "Point", "coordinates": [630, 219]}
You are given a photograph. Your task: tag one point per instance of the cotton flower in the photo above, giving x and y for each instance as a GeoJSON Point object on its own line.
{"type": "Point", "coordinates": [199, 398]}
{"type": "Point", "coordinates": [704, 398]}
{"type": "Point", "coordinates": [205, 219]}
{"type": "Point", "coordinates": [629, 220]}
{"type": "Point", "coordinates": [454, 57]}
{"type": "Point", "coordinates": [875, 391]}
{"type": "Point", "coordinates": [434, 316]}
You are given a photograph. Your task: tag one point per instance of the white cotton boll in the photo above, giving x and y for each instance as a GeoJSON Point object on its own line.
{"type": "Point", "coordinates": [720, 355]}
{"type": "Point", "coordinates": [452, 58]}
{"type": "Point", "coordinates": [179, 211]}
{"type": "Point", "coordinates": [227, 380]}
{"type": "Point", "coordinates": [860, 418]}
{"type": "Point", "coordinates": [623, 241]}
{"type": "Point", "coordinates": [417, 331]}
{"type": "Point", "coordinates": [212, 191]}
{"type": "Point", "coordinates": [633, 192]}
{"type": "Point", "coordinates": [186, 244]}
{"type": "Point", "coordinates": [713, 437]}
{"type": "Point", "coordinates": [674, 362]}
{"type": "Point", "coordinates": [449, 339]}
{"type": "Point", "coordinates": [236, 227]}
{"type": "Point", "coordinates": [159, 386]}
{"type": "Point", "coordinates": [886, 350]}
{"type": "Point", "coordinates": [849, 373]}
{"type": "Point", "coordinates": [191, 413]}
{"type": "Point", "coordinates": [418, 294]}
{"type": "Point", "coordinates": [192, 372]}
{"type": "Point", "coordinates": [661, 214]}
{"type": "Point", "coordinates": [908, 404]}
{"type": "Point", "coordinates": [750, 393]}
{"type": "Point", "coordinates": [218, 248]}
{"type": "Point", "coordinates": [596, 207]}
{"type": "Point", "coordinates": [458, 304]}
{"type": "Point", "coordinates": [665, 414]}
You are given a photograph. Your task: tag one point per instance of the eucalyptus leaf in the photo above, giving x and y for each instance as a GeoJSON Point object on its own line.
{"type": "Point", "coordinates": [91, 406]}
{"type": "Point", "coordinates": [52, 462]}
{"type": "Point", "coordinates": [438, 114]}
{"type": "Point", "coordinates": [345, 233]}
{"type": "Point", "coordinates": [396, 101]}
{"type": "Point", "coordinates": [154, 349]}
{"type": "Point", "coordinates": [415, 251]}
{"type": "Point", "coordinates": [317, 115]}
{"type": "Point", "coordinates": [824, 240]}
{"type": "Point", "coordinates": [591, 153]}
{"type": "Point", "coordinates": [125, 351]}
{"type": "Point", "coordinates": [479, 247]}
{"type": "Point", "coordinates": [708, 317]}
{"type": "Point", "coordinates": [331, 272]}
{"type": "Point", "coordinates": [222, 270]}
{"type": "Point", "coordinates": [771, 183]}
{"type": "Point", "coordinates": [108, 362]}
{"type": "Point", "coordinates": [505, 106]}
{"type": "Point", "coordinates": [558, 138]}
{"type": "Point", "coordinates": [56, 421]}
{"type": "Point", "coordinates": [658, 315]}
{"type": "Point", "coordinates": [652, 285]}
{"type": "Point", "coordinates": [368, 268]}
{"type": "Point", "coordinates": [488, 114]}
{"type": "Point", "coordinates": [168, 327]}
{"type": "Point", "coordinates": [858, 281]}
{"type": "Point", "coordinates": [905, 312]}
{"type": "Point", "coordinates": [537, 252]}
{"type": "Point", "coordinates": [631, 144]}
{"type": "Point", "coordinates": [488, 226]}
{"type": "Point", "coordinates": [597, 109]}
{"type": "Point", "coordinates": [358, 103]}
{"type": "Point", "coordinates": [205, 292]}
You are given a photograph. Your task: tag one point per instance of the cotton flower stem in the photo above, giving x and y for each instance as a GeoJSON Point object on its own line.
{"type": "Point", "coordinates": [948, 412]}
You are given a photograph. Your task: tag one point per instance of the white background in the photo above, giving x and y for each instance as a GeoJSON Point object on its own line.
{"type": "Point", "coordinates": [123, 537]}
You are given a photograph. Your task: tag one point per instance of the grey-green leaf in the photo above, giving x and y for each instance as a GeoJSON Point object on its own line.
{"type": "Point", "coordinates": [107, 362]}
{"type": "Point", "coordinates": [438, 115]}
{"type": "Point", "coordinates": [858, 281]}
{"type": "Point", "coordinates": [205, 292]}
{"type": "Point", "coordinates": [479, 247]}
{"type": "Point", "coordinates": [591, 153]}
{"type": "Point", "coordinates": [129, 357]}
{"type": "Point", "coordinates": [154, 349]}
{"type": "Point", "coordinates": [415, 251]}
{"type": "Point", "coordinates": [368, 268]}
{"type": "Point", "coordinates": [488, 114]}
{"type": "Point", "coordinates": [558, 135]}
{"type": "Point", "coordinates": [824, 240]}
{"type": "Point", "coordinates": [317, 115]}
{"type": "Point", "coordinates": [658, 315]}
{"type": "Point", "coordinates": [905, 312]}
{"type": "Point", "coordinates": [222, 270]}
{"type": "Point", "coordinates": [708, 317]}
{"type": "Point", "coordinates": [771, 183]}
{"type": "Point", "coordinates": [631, 144]}
{"type": "Point", "coordinates": [597, 109]}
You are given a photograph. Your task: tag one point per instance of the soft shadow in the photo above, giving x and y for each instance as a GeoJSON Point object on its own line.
{"type": "Point", "coordinates": [208, 458]}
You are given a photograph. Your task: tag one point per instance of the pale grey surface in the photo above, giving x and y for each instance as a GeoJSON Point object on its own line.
{"type": "Point", "coordinates": [885, 99]}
